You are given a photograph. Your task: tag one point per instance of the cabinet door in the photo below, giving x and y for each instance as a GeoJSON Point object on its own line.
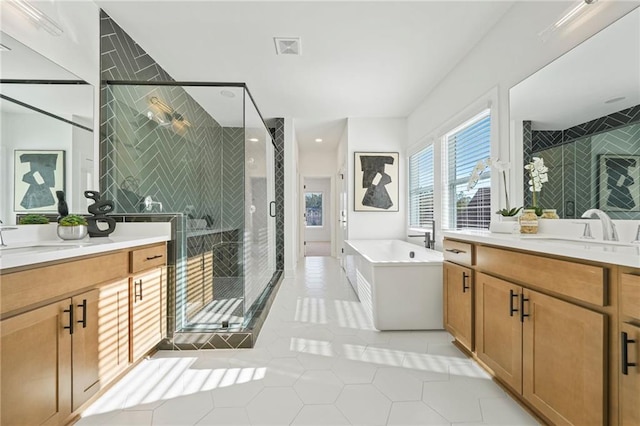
{"type": "Point", "coordinates": [195, 285]}
{"type": "Point", "coordinates": [563, 360]}
{"type": "Point", "coordinates": [85, 347]}
{"type": "Point", "coordinates": [146, 315]}
{"type": "Point", "coordinates": [498, 328]}
{"type": "Point", "coordinates": [630, 382]}
{"type": "Point", "coordinates": [458, 303]}
{"type": "Point", "coordinates": [101, 339]}
{"type": "Point", "coordinates": [36, 367]}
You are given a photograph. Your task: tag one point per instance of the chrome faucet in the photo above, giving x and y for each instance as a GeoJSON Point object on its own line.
{"type": "Point", "coordinates": [609, 232]}
{"type": "Point", "coordinates": [429, 237]}
{"type": "Point", "coordinates": [4, 228]}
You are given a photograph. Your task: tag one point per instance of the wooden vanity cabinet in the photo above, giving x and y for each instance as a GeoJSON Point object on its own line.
{"type": "Point", "coordinates": [458, 303]}
{"type": "Point", "coordinates": [629, 341]}
{"type": "Point", "coordinates": [36, 370]}
{"type": "Point", "coordinates": [549, 351]}
{"type": "Point", "coordinates": [146, 312]}
{"type": "Point", "coordinates": [65, 333]}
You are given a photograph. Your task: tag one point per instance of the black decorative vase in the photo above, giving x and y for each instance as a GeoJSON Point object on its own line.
{"type": "Point", "coordinates": [99, 210]}
{"type": "Point", "coordinates": [63, 208]}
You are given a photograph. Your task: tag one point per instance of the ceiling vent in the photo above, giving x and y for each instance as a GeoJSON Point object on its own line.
{"type": "Point", "coordinates": [287, 45]}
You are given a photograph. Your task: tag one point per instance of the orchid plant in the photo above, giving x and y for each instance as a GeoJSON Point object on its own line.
{"type": "Point", "coordinates": [537, 176]}
{"type": "Point", "coordinates": [502, 167]}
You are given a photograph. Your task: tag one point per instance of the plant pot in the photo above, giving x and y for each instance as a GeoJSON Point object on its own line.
{"type": "Point", "coordinates": [508, 218]}
{"type": "Point", "coordinates": [76, 232]}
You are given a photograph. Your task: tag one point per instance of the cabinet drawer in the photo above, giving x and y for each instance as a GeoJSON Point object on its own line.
{"type": "Point", "coordinates": [458, 252]}
{"type": "Point", "coordinates": [630, 295]}
{"type": "Point", "coordinates": [572, 279]}
{"type": "Point", "coordinates": [147, 258]}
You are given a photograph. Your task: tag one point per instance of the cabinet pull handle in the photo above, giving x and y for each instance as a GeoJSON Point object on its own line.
{"type": "Point", "coordinates": [70, 326]}
{"type": "Point", "coordinates": [135, 286]}
{"type": "Point", "coordinates": [512, 295]}
{"type": "Point", "coordinates": [455, 251]}
{"type": "Point", "coordinates": [272, 204]}
{"type": "Point", "coordinates": [83, 321]}
{"type": "Point", "coordinates": [154, 257]}
{"type": "Point", "coordinates": [465, 277]}
{"type": "Point", "coordinates": [522, 300]}
{"type": "Point", "coordinates": [625, 353]}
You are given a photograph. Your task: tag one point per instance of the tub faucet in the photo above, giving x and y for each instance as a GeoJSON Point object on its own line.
{"type": "Point", "coordinates": [609, 232]}
{"type": "Point", "coordinates": [429, 236]}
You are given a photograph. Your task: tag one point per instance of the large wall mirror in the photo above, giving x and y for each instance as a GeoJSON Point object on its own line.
{"type": "Point", "coordinates": [46, 137]}
{"type": "Point", "coordinates": [581, 114]}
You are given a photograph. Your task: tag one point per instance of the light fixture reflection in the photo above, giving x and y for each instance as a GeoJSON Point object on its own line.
{"type": "Point", "coordinates": [166, 116]}
{"type": "Point", "coordinates": [37, 17]}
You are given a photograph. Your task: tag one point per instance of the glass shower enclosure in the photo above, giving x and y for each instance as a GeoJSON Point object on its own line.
{"type": "Point", "coordinates": [200, 151]}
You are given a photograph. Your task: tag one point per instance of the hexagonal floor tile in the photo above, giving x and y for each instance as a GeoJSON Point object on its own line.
{"type": "Point", "coordinates": [237, 395]}
{"type": "Point", "coordinates": [183, 410]}
{"type": "Point", "coordinates": [283, 372]}
{"type": "Point", "coordinates": [318, 387]}
{"type": "Point", "coordinates": [398, 384]}
{"type": "Point", "coordinates": [274, 406]}
{"type": "Point", "coordinates": [314, 415]}
{"type": "Point", "coordinates": [364, 405]}
{"type": "Point", "coordinates": [414, 413]}
{"type": "Point", "coordinates": [353, 372]}
{"type": "Point", "coordinates": [225, 416]}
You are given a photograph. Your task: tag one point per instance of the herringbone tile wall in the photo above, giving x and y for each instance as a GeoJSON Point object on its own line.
{"type": "Point", "coordinates": [278, 137]}
{"type": "Point", "coordinates": [578, 171]}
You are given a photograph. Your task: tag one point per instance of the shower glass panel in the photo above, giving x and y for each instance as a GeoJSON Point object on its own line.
{"type": "Point", "coordinates": [259, 227]}
{"type": "Point", "coordinates": [201, 150]}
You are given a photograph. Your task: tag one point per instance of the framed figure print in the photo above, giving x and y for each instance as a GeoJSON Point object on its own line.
{"type": "Point", "coordinates": [37, 177]}
{"type": "Point", "coordinates": [619, 182]}
{"type": "Point", "coordinates": [376, 182]}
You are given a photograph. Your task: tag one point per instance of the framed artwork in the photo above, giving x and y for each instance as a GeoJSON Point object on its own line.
{"type": "Point", "coordinates": [619, 182]}
{"type": "Point", "coordinates": [38, 174]}
{"type": "Point", "coordinates": [376, 182]}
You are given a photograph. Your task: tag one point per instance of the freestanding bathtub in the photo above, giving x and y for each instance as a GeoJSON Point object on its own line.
{"type": "Point", "coordinates": [400, 284]}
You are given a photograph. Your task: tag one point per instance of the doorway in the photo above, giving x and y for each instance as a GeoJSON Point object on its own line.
{"type": "Point", "coordinates": [317, 216]}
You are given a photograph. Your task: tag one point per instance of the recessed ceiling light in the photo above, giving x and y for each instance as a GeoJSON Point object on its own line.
{"type": "Point", "coordinates": [227, 93]}
{"type": "Point", "coordinates": [318, 140]}
{"type": "Point", "coordinates": [253, 139]}
{"type": "Point", "coordinates": [614, 100]}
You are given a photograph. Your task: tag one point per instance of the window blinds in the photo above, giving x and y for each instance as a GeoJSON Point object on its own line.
{"type": "Point", "coordinates": [467, 205]}
{"type": "Point", "coordinates": [421, 185]}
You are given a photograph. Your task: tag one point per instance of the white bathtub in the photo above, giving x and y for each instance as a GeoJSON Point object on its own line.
{"type": "Point", "coordinates": [401, 291]}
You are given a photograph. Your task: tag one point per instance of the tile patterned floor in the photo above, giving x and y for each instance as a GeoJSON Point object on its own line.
{"type": "Point", "coordinates": [318, 361]}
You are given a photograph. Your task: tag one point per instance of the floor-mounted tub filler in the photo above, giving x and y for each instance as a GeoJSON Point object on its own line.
{"type": "Point", "coordinates": [399, 283]}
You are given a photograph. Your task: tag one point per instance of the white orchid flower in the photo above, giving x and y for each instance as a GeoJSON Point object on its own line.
{"type": "Point", "coordinates": [500, 166]}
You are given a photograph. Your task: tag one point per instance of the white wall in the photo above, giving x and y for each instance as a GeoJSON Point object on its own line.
{"type": "Point", "coordinates": [510, 52]}
{"type": "Point", "coordinates": [322, 233]}
{"type": "Point", "coordinates": [30, 131]}
{"type": "Point", "coordinates": [377, 135]}
{"type": "Point", "coordinates": [291, 206]}
{"type": "Point", "coordinates": [317, 163]}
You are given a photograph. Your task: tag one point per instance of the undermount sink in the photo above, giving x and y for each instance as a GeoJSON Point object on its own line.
{"type": "Point", "coordinates": [41, 247]}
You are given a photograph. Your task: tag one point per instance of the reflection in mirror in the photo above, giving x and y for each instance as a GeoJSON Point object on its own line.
{"type": "Point", "coordinates": [46, 140]}
{"type": "Point", "coordinates": [581, 114]}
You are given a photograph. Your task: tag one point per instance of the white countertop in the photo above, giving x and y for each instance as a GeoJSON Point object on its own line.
{"type": "Point", "coordinates": [624, 254]}
{"type": "Point", "coordinates": [24, 249]}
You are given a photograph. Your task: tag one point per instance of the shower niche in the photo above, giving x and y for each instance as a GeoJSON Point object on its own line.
{"type": "Point", "coordinates": [201, 156]}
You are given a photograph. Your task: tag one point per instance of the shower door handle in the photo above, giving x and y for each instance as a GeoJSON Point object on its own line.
{"type": "Point", "coordinates": [272, 209]}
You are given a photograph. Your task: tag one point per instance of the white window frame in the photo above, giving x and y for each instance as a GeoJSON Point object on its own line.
{"type": "Point", "coordinates": [413, 152]}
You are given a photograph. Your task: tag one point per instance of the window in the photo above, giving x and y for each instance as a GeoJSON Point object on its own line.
{"type": "Point", "coordinates": [313, 208]}
{"type": "Point", "coordinates": [465, 204]}
{"type": "Point", "coordinates": [421, 188]}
